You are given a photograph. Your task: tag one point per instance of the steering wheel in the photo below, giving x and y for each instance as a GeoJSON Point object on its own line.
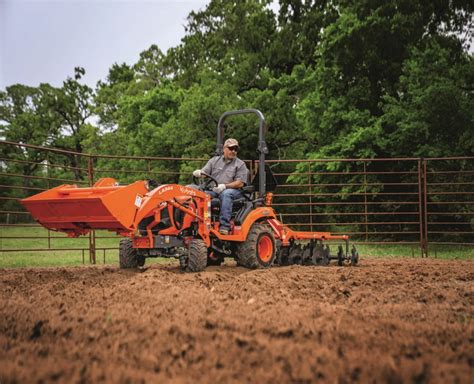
{"type": "Point", "coordinates": [206, 183]}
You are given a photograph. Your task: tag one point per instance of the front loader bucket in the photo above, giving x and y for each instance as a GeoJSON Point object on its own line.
{"type": "Point", "coordinates": [76, 211]}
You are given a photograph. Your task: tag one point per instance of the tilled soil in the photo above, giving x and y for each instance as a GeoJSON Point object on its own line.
{"type": "Point", "coordinates": [386, 320]}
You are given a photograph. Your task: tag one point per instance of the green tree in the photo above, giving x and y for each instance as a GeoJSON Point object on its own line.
{"type": "Point", "coordinates": [142, 130]}
{"type": "Point", "coordinates": [73, 106]}
{"type": "Point", "coordinates": [25, 118]}
{"type": "Point", "coordinates": [152, 68]}
{"type": "Point", "coordinates": [108, 93]}
{"type": "Point", "coordinates": [230, 38]}
{"type": "Point", "coordinates": [433, 113]}
{"type": "Point", "coordinates": [359, 62]}
{"type": "Point", "coordinates": [299, 32]}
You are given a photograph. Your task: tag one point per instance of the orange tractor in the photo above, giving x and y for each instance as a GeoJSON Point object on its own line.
{"type": "Point", "coordinates": [173, 220]}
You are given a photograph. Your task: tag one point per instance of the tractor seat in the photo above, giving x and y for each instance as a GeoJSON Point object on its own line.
{"type": "Point", "coordinates": [240, 208]}
{"type": "Point", "coordinates": [238, 203]}
{"type": "Point", "coordinates": [216, 203]}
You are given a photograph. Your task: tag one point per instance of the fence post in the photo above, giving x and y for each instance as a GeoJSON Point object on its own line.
{"type": "Point", "coordinates": [422, 206]}
{"type": "Point", "coordinates": [365, 204]}
{"type": "Point", "coordinates": [90, 175]}
{"type": "Point", "coordinates": [425, 202]}
{"type": "Point", "coordinates": [90, 170]}
{"type": "Point", "coordinates": [310, 181]}
{"type": "Point", "coordinates": [48, 170]}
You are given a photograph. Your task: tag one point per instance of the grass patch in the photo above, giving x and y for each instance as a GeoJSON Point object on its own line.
{"type": "Point", "coordinates": [59, 249]}
{"type": "Point", "coordinates": [58, 254]}
{"type": "Point", "coordinates": [403, 250]}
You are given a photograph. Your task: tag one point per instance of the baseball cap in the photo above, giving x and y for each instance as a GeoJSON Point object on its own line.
{"type": "Point", "coordinates": [231, 143]}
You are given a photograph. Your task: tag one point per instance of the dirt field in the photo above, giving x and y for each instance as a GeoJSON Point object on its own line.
{"type": "Point", "coordinates": [390, 320]}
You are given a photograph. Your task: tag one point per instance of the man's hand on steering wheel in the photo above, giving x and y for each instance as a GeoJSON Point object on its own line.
{"type": "Point", "coordinates": [205, 182]}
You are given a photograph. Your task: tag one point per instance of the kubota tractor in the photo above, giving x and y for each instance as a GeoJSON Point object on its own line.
{"type": "Point", "coordinates": [173, 220]}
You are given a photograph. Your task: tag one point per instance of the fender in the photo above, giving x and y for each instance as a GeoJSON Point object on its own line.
{"type": "Point", "coordinates": [255, 215]}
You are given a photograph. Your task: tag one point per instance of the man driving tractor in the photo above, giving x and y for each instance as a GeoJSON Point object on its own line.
{"type": "Point", "coordinates": [231, 174]}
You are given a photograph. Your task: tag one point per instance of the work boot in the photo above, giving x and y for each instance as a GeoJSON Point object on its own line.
{"type": "Point", "coordinates": [223, 231]}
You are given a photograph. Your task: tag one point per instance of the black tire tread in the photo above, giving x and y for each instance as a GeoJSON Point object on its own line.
{"type": "Point", "coordinates": [128, 257]}
{"type": "Point", "coordinates": [197, 256]}
{"type": "Point", "coordinates": [246, 253]}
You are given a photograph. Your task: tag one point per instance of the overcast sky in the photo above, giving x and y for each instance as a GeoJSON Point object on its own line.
{"type": "Point", "coordinates": [41, 41]}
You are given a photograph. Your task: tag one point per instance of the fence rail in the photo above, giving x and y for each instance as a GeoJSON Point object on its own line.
{"type": "Point", "coordinates": [377, 201]}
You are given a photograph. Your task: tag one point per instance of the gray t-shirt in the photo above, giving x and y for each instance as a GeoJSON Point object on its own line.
{"type": "Point", "coordinates": [226, 172]}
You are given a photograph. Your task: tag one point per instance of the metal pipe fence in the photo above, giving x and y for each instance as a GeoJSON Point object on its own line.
{"type": "Point", "coordinates": [410, 201]}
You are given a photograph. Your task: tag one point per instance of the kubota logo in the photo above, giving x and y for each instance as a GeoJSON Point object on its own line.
{"type": "Point", "coordinates": [187, 191]}
{"type": "Point", "coordinates": [164, 189]}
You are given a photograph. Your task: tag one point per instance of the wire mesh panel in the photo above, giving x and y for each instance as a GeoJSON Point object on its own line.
{"type": "Point", "coordinates": [449, 201]}
{"type": "Point", "coordinates": [375, 201]}
{"type": "Point", "coordinates": [371, 200]}
{"type": "Point", "coordinates": [27, 170]}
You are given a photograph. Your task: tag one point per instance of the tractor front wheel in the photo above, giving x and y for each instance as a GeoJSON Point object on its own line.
{"type": "Point", "coordinates": [197, 256]}
{"type": "Point", "coordinates": [258, 251]}
{"type": "Point", "coordinates": [128, 256]}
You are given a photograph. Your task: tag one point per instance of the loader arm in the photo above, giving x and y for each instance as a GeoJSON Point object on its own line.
{"type": "Point", "coordinates": [168, 194]}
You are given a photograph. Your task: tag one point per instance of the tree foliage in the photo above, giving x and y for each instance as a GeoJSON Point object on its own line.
{"type": "Point", "coordinates": [333, 78]}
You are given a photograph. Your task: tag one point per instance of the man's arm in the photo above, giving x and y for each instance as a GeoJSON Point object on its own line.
{"type": "Point", "coordinates": [208, 167]}
{"type": "Point", "coordinates": [236, 184]}
{"type": "Point", "coordinates": [241, 177]}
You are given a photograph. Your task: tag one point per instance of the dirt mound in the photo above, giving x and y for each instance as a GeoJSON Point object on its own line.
{"type": "Point", "coordinates": [391, 320]}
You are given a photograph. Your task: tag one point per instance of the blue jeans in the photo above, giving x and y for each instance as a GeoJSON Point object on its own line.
{"type": "Point", "coordinates": [227, 198]}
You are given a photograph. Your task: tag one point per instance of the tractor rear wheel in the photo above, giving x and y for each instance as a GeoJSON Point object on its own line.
{"type": "Point", "coordinates": [128, 256]}
{"type": "Point", "coordinates": [258, 251]}
{"type": "Point", "coordinates": [197, 256]}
